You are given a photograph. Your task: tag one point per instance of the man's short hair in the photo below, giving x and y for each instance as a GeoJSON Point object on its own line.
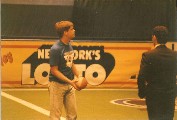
{"type": "Point", "coordinates": [161, 33]}
{"type": "Point", "coordinates": [62, 26]}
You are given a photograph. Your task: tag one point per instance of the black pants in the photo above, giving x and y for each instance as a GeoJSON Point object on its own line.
{"type": "Point", "coordinates": [160, 106]}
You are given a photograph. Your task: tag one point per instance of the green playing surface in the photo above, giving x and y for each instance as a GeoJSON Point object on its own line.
{"type": "Point", "coordinates": [93, 104]}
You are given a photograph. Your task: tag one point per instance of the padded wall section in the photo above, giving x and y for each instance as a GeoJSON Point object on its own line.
{"type": "Point", "coordinates": [123, 19]}
{"type": "Point", "coordinates": [32, 21]}
{"type": "Point", "coordinates": [128, 20]}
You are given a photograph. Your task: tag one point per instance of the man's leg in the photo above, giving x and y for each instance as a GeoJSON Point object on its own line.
{"type": "Point", "coordinates": [56, 91]}
{"type": "Point", "coordinates": [160, 106]}
{"type": "Point", "coordinates": [152, 108]}
{"type": "Point", "coordinates": [70, 104]}
{"type": "Point", "coordinates": [169, 107]}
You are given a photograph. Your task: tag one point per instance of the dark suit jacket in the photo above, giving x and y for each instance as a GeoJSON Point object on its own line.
{"type": "Point", "coordinates": [158, 71]}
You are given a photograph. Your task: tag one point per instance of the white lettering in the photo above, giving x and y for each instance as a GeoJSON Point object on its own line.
{"type": "Point", "coordinates": [40, 53]}
{"type": "Point", "coordinates": [47, 53]}
{"type": "Point", "coordinates": [95, 74]}
{"type": "Point", "coordinates": [76, 55]}
{"type": "Point", "coordinates": [81, 55]}
{"type": "Point", "coordinates": [41, 73]}
{"type": "Point", "coordinates": [88, 55]}
{"type": "Point", "coordinates": [97, 53]}
{"type": "Point", "coordinates": [81, 68]}
{"type": "Point", "coordinates": [26, 71]}
{"type": "Point", "coordinates": [43, 53]}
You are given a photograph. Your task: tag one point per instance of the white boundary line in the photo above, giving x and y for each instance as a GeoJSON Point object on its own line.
{"type": "Point", "coordinates": [27, 104]}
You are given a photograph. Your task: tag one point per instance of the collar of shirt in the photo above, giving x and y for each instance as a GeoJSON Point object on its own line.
{"type": "Point", "coordinates": [158, 45]}
{"type": "Point", "coordinates": [61, 43]}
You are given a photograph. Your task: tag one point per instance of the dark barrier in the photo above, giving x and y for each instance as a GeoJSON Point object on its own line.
{"type": "Point", "coordinates": [94, 19]}
{"type": "Point", "coordinates": [176, 23]}
{"type": "Point", "coordinates": [32, 21]}
{"type": "Point", "coordinates": [123, 19]}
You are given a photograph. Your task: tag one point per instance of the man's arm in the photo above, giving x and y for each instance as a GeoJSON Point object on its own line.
{"type": "Point", "coordinates": [75, 71]}
{"type": "Point", "coordinates": [54, 70]}
{"type": "Point", "coordinates": [143, 72]}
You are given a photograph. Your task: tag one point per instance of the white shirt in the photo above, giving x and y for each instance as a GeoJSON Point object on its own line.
{"type": "Point", "coordinates": [158, 45]}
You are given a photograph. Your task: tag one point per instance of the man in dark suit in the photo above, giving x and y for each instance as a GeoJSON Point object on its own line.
{"type": "Point", "coordinates": [157, 77]}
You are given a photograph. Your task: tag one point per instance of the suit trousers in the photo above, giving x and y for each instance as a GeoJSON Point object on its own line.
{"type": "Point", "coordinates": [62, 95]}
{"type": "Point", "coordinates": [160, 106]}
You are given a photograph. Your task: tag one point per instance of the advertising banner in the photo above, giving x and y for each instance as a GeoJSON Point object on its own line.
{"type": "Point", "coordinates": [25, 63]}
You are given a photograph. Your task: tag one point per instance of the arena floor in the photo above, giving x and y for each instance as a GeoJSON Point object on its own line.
{"type": "Point", "coordinates": [93, 104]}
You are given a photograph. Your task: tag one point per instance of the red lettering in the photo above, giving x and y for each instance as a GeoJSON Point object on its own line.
{"type": "Point", "coordinates": [6, 58]}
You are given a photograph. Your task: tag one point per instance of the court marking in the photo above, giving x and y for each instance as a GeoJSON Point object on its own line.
{"type": "Point", "coordinates": [125, 102]}
{"type": "Point", "coordinates": [28, 104]}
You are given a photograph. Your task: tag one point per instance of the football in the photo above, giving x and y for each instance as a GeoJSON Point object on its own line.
{"type": "Point", "coordinates": [82, 83]}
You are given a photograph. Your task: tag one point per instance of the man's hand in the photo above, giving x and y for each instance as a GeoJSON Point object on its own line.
{"type": "Point", "coordinates": [73, 83]}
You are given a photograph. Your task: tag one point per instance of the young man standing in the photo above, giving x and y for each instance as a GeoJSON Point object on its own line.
{"type": "Point", "coordinates": [157, 77]}
{"type": "Point", "coordinates": [62, 71]}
